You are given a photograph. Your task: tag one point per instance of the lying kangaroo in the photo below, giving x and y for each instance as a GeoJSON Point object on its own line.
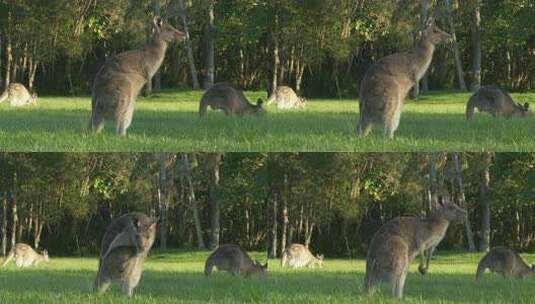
{"type": "Point", "coordinates": [121, 78]}
{"type": "Point", "coordinates": [126, 243]}
{"type": "Point", "coordinates": [297, 256]}
{"type": "Point", "coordinates": [386, 84]}
{"type": "Point", "coordinates": [235, 260]}
{"type": "Point", "coordinates": [400, 240]}
{"type": "Point", "coordinates": [494, 101]}
{"type": "Point", "coordinates": [25, 256]}
{"type": "Point", "coordinates": [18, 95]}
{"type": "Point", "coordinates": [285, 98]}
{"type": "Point", "coordinates": [505, 261]}
{"type": "Point", "coordinates": [223, 96]}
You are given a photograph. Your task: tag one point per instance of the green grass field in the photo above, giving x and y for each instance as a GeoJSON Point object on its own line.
{"type": "Point", "coordinates": [168, 121]}
{"type": "Point", "coordinates": [178, 277]}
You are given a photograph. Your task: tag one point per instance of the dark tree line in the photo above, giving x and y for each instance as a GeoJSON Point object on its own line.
{"type": "Point", "coordinates": [319, 47]}
{"type": "Point", "coordinates": [333, 202]}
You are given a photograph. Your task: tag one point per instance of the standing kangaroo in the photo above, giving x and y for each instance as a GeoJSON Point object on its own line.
{"type": "Point", "coordinates": [17, 95]}
{"type": "Point", "coordinates": [505, 261]}
{"type": "Point", "coordinates": [25, 256]}
{"type": "Point", "coordinates": [226, 97]}
{"type": "Point", "coordinates": [122, 77]}
{"type": "Point", "coordinates": [234, 259]}
{"type": "Point", "coordinates": [386, 84]}
{"type": "Point", "coordinates": [400, 240]}
{"type": "Point", "coordinates": [494, 101]}
{"type": "Point", "coordinates": [297, 256]}
{"type": "Point", "coordinates": [126, 243]}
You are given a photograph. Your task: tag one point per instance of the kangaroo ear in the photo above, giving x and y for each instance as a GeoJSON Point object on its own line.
{"type": "Point", "coordinates": [259, 102]}
{"type": "Point", "coordinates": [526, 106]}
{"type": "Point", "coordinates": [158, 22]}
{"type": "Point", "coordinates": [126, 238]}
{"type": "Point", "coordinates": [430, 22]}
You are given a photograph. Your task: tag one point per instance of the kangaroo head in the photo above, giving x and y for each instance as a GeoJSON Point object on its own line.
{"type": "Point", "coordinates": [33, 99]}
{"type": "Point", "coordinates": [166, 32]}
{"type": "Point", "coordinates": [434, 34]}
{"type": "Point", "coordinates": [258, 109]}
{"type": "Point", "coordinates": [302, 102]}
{"type": "Point", "coordinates": [320, 258]}
{"type": "Point", "coordinates": [146, 232]}
{"type": "Point", "coordinates": [451, 212]}
{"type": "Point", "coordinates": [259, 268]}
{"type": "Point", "coordinates": [525, 112]}
{"type": "Point", "coordinates": [45, 255]}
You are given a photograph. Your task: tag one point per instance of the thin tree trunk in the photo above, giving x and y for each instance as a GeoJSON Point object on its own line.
{"type": "Point", "coordinates": [213, 198]}
{"type": "Point", "coordinates": [285, 220]}
{"type": "Point", "coordinates": [433, 189]}
{"type": "Point", "coordinates": [424, 6]}
{"type": "Point", "coordinates": [4, 224]}
{"type": "Point", "coordinates": [189, 48]}
{"type": "Point", "coordinates": [162, 199]}
{"type": "Point", "coordinates": [308, 236]}
{"type": "Point", "coordinates": [476, 46]}
{"type": "Point", "coordinates": [274, 228]}
{"type": "Point", "coordinates": [276, 59]}
{"type": "Point", "coordinates": [193, 202]}
{"type": "Point", "coordinates": [9, 55]}
{"type": "Point", "coordinates": [210, 47]}
{"type": "Point", "coordinates": [14, 220]}
{"type": "Point", "coordinates": [157, 78]}
{"type": "Point", "coordinates": [456, 52]}
{"type": "Point", "coordinates": [485, 203]}
{"type": "Point", "coordinates": [462, 202]}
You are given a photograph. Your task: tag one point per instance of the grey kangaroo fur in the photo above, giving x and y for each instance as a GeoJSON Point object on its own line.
{"type": "Point", "coordinates": [233, 259]}
{"type": "Point", "coordinates": [226, 97]}
{"type": "Point", "coordinates": [386, 84]}
{"type": "Point", "coordinates": [400, 240]}
{"type": "Point", "coordinates": [506, 262]}
{"type": "Point", "coordinates": [121, 78]}
{"type": "Point", "coordinates": [126, 243]}
{"type": "Point", "coordinates": [493, 100]}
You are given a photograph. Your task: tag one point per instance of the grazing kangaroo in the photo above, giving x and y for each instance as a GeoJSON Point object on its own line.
{"type": "Point", "coordinates": [386, 84]}
{"type": "Point", "coordinates": [505, 261]}
{"type": "Point", "coordinates": [119, 81]}
{"type": "Point", "coordinates": [226, 97]}
{"type": "Point", "coordinates": [400, 240]}
{"type": "Point", "coordinates": [17, 95]}
{"type": "Point", "coordinates": [493, 100]}
{"type": "Point", "coordinates": [25, 256]}
{"type": "Point", "coordinates": [126, 243]}
{"type": "Point", "coordinates": [297, 256]}
{"type": "Point", "coordinates": [285, 98]}
{"type": "Point", "coordinates": [235, 260]}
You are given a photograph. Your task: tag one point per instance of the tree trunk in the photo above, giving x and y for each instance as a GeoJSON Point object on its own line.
{"type": "Point", "coordinates": [157, 78]}
{"type": "Point", "coordinates": [276, 59]}
{"type": "Point", "coordinates": [14, 220]}
{"type": "Point", "coordinates": [274, 228]}
{"type": "Point", "coordinates": [433, 189]}
{"type": "Point", "coordinates": [476, 46]}
{"type": "Point", "coordinates": [424, 6]}
{"type": "Point", "coordinates": [162, 199]}
{"type": "Point", "coordinates": [193, 202]}
{"type": "Point", "coordinates": [485, 203]}
{"type": "Point", "coordinates": [214, 160]}
{"type": "Point", "coordinates": [456, 52]}
{"type": "Point", "coordinates": [4, 224]}
{"type": "Point", "coordinates": [9, 55]}
{"type": "Point", "coordinates": [189, 48]}
{"type": "Point", "coordinates": [462, 202]}
{"type": "Point", "coordinates": [210, 47]}
{"type": "Point", "coordinates": [285, 220]}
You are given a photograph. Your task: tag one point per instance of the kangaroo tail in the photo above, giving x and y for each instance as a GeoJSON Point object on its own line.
{"type": "Point", "coordinates": [8, 258]}
{"type": "Point", "coordinates": [4, 96]}
{"type": "Point", "coordinates": [481, 267]}
{"type": "Point", "coordinates": [470, 107]}
{"type": "Point", "coordinates": [209, 266]}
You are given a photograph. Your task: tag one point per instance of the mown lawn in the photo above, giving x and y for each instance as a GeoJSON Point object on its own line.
{"type": "Point", "coordinates": [177, 277]}
{"type": "Point", "coordinates": [168, 121]}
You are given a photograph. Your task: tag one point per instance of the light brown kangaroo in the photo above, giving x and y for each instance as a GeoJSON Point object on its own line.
{"type": "Point", "coordinates": [126, 243]}
{"type": "Point", "coordinates": [505, 261]}
{"type": "Point", "coordinates": [17, 95]}
{"type": "Point", "coordinates": [297, 256]}
{"type": "Point", "coordinates": [121, 78]}
{"type": "Point", "coordinates": [235, 260]}
{"type": "Point", "coordinates": [400, 240]}
{"type": "Point", "coordinates": [386, 84]}
{"type": "Point", "coordinates": [226, 97]}
{"type": "Point", "coordinates": [285, 98]}
{"type": "Point", "coordinates": [493, 100]}
{"type": "Point", "coordinates": [25, 256]}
